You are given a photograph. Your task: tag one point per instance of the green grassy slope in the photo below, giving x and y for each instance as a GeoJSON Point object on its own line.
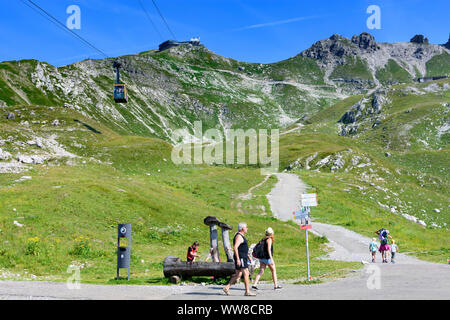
{"type": "Point", "coordinates": [69, 211]}
{"type": "Point", "coordinates": [354, 68]}
{"type": "Point", "coordinates": [392, 73]}
{"type": "Point", "coordinates": [439, 65]}
{"type": "Point", "coordinates": [114, 170]}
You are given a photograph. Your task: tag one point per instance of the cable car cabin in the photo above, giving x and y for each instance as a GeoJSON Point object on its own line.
{"type": "Point", "coordinates": [120, 93]}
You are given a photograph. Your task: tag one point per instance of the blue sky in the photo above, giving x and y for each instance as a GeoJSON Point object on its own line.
{"type": "Point", "coordinates": [248, 30]}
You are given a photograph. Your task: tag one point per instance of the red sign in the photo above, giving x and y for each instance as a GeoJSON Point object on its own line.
{"type": "Point", "coordinates": [306, 226]}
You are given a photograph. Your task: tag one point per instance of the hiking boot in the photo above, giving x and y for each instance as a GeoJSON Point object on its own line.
{"type": "Point", "coordinates": [250, 294]}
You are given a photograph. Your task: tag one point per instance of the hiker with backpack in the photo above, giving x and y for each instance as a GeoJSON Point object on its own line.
{"type": "Point", "coordinates": [383, 235]}
{"type": "Point", "coordinates": [264, 252]}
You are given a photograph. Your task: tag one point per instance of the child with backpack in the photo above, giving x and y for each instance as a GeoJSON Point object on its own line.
{"type": "Point", "coordinates": [264, 252]}
{"type": "Point", "coordinates": [373, 247]}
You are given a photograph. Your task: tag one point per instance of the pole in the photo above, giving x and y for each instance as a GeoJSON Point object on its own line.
{"type": "Point", "coordinates": [307, 254]}
{"type": "Point", "coordinates": [307, 248]}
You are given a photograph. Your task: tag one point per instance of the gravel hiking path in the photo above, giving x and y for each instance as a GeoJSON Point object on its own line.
{"type": "Point", "coordinates": [409, 278]}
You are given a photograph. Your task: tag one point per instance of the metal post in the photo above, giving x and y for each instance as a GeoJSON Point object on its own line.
{"type": "Point", "coordinates": [307, 220]}
{"type": "Point", "coordinates": [307, 254]}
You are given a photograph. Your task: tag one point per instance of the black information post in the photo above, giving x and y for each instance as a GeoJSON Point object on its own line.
{"type": "Point", "coordinates": [123, 248]}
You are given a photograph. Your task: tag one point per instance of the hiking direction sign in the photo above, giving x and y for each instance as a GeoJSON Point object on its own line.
{"type": "Point", "coordinates": [303, 215]}
{"type": "Point", "coordinates": [309, 200]}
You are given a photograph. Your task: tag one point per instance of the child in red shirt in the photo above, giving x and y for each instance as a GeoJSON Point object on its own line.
{"type": "Point", "coordinates": [192, 252]}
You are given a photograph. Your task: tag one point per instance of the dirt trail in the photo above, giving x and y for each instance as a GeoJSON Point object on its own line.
{"type": "Point", "coordinates": [347, 245]}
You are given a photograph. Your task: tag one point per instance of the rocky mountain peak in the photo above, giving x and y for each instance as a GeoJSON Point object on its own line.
{"type": "Point", "coordinates": [419, 39]}
{"type": "Point", "coordinates": [337, 37]}
{"type": "Point", "coordinates": [338, 47]}
{"type": "Point", "coordinates": [365, 41]}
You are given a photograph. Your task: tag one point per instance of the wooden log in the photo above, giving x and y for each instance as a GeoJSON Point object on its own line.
{"type": "Point", "coordinates": [226, 241]}
{"type": "Point", "coordinates": [173, 266]}
{"type": "Point", "coordinates": [214, 242]}
{"type": "Point", "coordinates": [212, 222]}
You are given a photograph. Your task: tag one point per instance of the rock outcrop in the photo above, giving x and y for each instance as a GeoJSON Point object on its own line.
{"type": "Point", "coordinates": [10, 116]}
{"type": "Point", "coordinates": [364, 115]}
{"type": "Point", "coordinates": [419, 39]}
{"type": "Point", "coordinates": [337, 47]}
{"type": "Point", "coordinates": [447, 45]}
{"type": "Point", "coordinates": [366, 41]}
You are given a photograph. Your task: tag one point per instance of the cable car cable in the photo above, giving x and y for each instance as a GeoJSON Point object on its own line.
{"type": "Point", "coordinates": [162, 17]}
{"type": "Point", "coordinates": [151, 21]}
{"type": "Point", "coordinates": [59, 23]}
{"type": "Point", "coordinates": [43, 15]}
{"type": "Point", "coordinates": [120, 89]}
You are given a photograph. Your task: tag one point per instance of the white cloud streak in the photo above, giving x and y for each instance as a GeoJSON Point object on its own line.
{"type": "Point", "coordinates": [276, 23]}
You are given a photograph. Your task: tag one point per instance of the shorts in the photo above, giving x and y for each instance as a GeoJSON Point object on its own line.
{"type": "Point", "coordinates": [265, 261]}
{"type": "Point", "coordinates": [384, 247]}
{"type": "Point", "coordinates": [244, 264]}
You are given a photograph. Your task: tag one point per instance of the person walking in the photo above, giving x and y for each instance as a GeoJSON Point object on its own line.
{"type": "Point", "coordinates": [267, 259]}
{"type": "Point", "coordinates": [241, 260]}
{"type": "Point", "coordinates": [373, 247]}
{"type": "Point", "coordinates": [383, 235]}
{"type": "Point", "coordinates": [394, 250]}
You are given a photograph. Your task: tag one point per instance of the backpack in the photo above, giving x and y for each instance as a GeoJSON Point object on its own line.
{"type": "Point", "coordinates": [383, 235]}
{"type": "Point", "coordinates": [258, 250]}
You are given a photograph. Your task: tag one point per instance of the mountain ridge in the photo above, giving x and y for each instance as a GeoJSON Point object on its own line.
{"type": "Point", "coordinates": [173, 88]}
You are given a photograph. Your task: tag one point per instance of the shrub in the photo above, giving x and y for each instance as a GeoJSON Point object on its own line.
{"type": "Point", "coordinates": [34, 247]}
{"type": "Point", "coordinates": [82, 246]}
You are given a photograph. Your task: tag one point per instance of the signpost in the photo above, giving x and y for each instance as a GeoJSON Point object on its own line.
{"type": "Point", "coordinates": [307, 255]}
{"type": "Point", "coordinates": [309, 200]}
{"type": "Point", "coordinates": [304, 215]}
